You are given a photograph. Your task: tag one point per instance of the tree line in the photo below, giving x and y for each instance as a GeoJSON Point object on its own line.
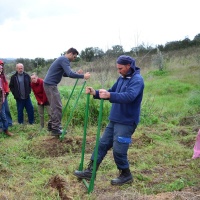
{"type": "Point", "coordinates": [91, 54]}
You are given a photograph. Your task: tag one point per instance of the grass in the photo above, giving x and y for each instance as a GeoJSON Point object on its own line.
{"type": "Point", "coordinates": [36, 166]}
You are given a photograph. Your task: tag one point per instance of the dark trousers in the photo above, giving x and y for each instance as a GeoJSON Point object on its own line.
{"type": "Point", "coordinates": [41, 113]}
{"type": "Point", "coordinates": [118, 137]}
{"type": "Point", "coordinates": [3, 117]}
{"type": "Point", "coordinates": [7, 113]}
{"type": "Point", "coordinates": [53, 96]}
{"type": "Point", "coordinates": [27, 104]}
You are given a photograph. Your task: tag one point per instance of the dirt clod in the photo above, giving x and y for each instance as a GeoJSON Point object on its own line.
{"type": "Point", "coordinates": [57, 182]}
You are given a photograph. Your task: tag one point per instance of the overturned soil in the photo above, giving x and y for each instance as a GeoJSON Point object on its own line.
{"type": "Point", "coordinates": [54, 147]}
{"type": "Point", "coordinates": [59, 183]}
{"type": "Point", "coordinates": [50, 146]}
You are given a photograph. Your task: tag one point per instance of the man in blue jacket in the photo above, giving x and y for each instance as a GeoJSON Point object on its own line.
{"type": "Point", "coordinates": [126, 97]}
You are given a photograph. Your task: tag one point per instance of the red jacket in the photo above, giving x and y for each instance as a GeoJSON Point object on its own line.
{"type": "Point", "coordinates": [4, 84]}
{"type": "Point", "coordinates": [39, 92]}
{"type": "Point", "coordinates": [5, 89]}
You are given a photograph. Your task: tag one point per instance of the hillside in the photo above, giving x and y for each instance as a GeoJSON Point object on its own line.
{"type": "Point", "coordinates": [34, 165]}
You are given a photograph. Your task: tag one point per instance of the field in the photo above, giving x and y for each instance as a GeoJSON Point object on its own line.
{"type": "Point", "coordinates": [37, 166]}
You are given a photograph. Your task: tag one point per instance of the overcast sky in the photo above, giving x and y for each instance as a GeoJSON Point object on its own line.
{"type": "Point", "coordinates": [46, 28]}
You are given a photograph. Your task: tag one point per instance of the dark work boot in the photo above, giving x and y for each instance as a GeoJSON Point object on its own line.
{"type": "Point", "coordinates": [124, 177]}
{"type": "Point", "coordinates": [49, 126]}
{"type": "Point", "coordinates": [56, 132]}
{"type": "Point", "coordinates": [87, 173]}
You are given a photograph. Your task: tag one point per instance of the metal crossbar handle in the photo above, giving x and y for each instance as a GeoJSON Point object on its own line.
{"type": "Point", "coordinates": [90, 186]}
{"type": "Point", "coordinates": [71, 114]}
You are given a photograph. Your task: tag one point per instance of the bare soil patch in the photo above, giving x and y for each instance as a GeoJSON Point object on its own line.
{"type": "Point", "coordinates": [49, 146]}
{"type": "Point", "coordinates": [54, 147]}
{"type": "Point", "coordinates": [61, 185]}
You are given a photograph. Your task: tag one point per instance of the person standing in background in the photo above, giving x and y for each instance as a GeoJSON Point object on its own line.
{"type": "Point", "coordinates": [20, 86]}
{"type": "Point", "coordinates": [4, 90]}
{"type": "Point", "coordinates": [40, 95]}
{"type": "Point", "coordinates": [7, 109]}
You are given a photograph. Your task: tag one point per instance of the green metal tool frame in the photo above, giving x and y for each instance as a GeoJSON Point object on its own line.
{"type": "Point", "coordinates": [90, 186]}
{"type": "Point", "coordinates": [69, 97]}
{"type": "Point", "coordinates": [71, 114]}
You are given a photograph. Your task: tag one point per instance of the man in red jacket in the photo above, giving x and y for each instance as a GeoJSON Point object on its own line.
{"type": "Point", "coordinates": [40, 95]}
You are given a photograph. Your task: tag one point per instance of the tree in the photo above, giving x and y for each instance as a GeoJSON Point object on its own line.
{"type": "Point", "coordinates": [117, 50]}
{"type": "Point", "coordinates": [87, 54]}
{"type": "Point", "coordinates": [185, 43]}
{"type": "Point", "coordinates": [28, 63]}
{"type": "Point", "coordinates": [98, 53]}
{"type": "Point", "coordinates": [197, 38]}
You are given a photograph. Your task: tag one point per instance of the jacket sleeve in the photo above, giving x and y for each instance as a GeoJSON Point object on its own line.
{"type": "Point", "coordinates": [11, 84]}
{"type": "Point", "coordinates": [134, 89]}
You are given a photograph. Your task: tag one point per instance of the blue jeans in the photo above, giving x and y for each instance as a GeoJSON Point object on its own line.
{"type": "Point", "coordinates": [118, 137]}
{"type": "Point", "coordinates": [3, 117]}
{"type": "Point", "coordinates": [27, 104]}
{"type": "Point", "coordinates": [8, 114]}
{"type": "Point", "coordinates": [7, 111]}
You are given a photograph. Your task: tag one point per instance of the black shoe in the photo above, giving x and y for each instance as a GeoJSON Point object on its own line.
{"type": "Point", "coordinates": [86, 174]}
{"type": "Point", "coordinates": [56, 132]}
{"type": "Point", "coordinates": [124, 177]}
{"type": "Point", "coordinates": [49, 127]}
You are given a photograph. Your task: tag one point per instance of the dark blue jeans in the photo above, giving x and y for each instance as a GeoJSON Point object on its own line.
{"type": "Point", "coordinates": [8, 114]}
{"type": "Point", "coordinates": [118, 137]}
{"type": "Point", "coordinates": [7, 111]}
{"type": "Point", "coordinates": [3, 118]}
{"type": "Point", "coordinates": [27, 104]}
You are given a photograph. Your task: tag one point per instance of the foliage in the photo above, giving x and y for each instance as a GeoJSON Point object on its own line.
{"type": "Point", "coordinates": [116, 51]}
{"type": "Point", "coordinates": [90, 53]}
{"type": "Point", "coordinates": [160, 156]}
{"type": "Point", "coordinates": [194, 99]}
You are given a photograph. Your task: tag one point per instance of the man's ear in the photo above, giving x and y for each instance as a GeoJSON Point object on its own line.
{"type": "Point", "coordinates": [128, 65]}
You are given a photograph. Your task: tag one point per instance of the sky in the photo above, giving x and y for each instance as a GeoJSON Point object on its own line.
{"type": "Point", "coordinates": [47, 28]}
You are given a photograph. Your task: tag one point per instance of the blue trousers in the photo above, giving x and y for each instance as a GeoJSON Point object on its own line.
{"type": "Point", "coordinates": [118, 137]}
{"type": "Point", "coordinates": [8, 114]}
{"type": "Point", "coordinates": [3, 117]}
{"type": "Point", "coordinates": [27, 104]}
{"type": "Point", "coordinates": [7, 111]}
